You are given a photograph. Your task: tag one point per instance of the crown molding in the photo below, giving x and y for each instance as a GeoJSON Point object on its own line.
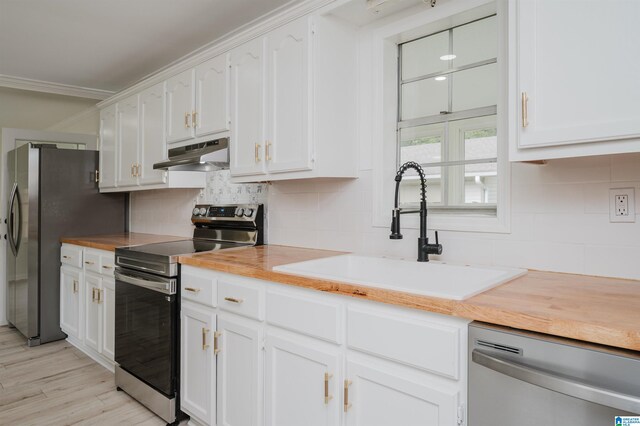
{"type": "Point", "coordinates": [50, 87]}
{"type": "Point", "coordinates": [241, 35]}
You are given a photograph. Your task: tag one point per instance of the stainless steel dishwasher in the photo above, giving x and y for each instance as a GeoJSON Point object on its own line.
{"type": "Point", "coordinates": [532, 379]}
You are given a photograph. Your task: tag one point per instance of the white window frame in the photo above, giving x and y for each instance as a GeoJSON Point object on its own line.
{"type": "Point", "coordinates": [385, 39]}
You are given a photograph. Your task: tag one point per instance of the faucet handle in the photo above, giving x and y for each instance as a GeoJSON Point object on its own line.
{"type": "Point", "coordinates": [435, 248]}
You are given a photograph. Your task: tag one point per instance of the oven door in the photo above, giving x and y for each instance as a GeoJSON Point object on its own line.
{"type": "Point", "coordinates": [146, 329]}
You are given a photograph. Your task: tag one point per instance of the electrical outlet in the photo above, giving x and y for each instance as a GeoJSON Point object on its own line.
{"type": "Point", "coordinates": [622, 205]}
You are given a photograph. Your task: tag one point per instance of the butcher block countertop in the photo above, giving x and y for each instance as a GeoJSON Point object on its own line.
{"type": "Point", "coordinates": [110, 242]}
{"type": "Point", "coordinates": [593, 309]}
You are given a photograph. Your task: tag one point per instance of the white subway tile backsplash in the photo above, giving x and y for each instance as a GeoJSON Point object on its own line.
{"type": "Point", "coordinates": [541, 255]}
{"type": "Point", "coordinates": [613, 261]}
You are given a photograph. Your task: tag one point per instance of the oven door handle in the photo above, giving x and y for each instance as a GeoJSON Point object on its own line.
{"type": "Point", "coordinates": [167, 287]}
{"type": "Point", "coordinates": [558, 383]}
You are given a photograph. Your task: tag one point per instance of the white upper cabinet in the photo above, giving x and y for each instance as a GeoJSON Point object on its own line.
{"type": "Point", "coordinates": [136, 143]}
{"type": "Point", "coordinates": [247, 92]}
{"type": "Point", "coordinates": [152, 147]}
{"type": "Point", "coordinates": [577, 86]}
{"type": "Point", "coordinates": [212, 97]}
{"type": "Point", "coordinates": [198, 101]}
{"type": "Point", "coordinates": [294, 102]}
{"type": "Point", "coordinates": [289, 91]}
{"type": "Point", "coordinates": [128, 125]}
{"type": "Point", "coordinates": [180, 106]}
{"type": "Point", "coordinates": [108, 139]}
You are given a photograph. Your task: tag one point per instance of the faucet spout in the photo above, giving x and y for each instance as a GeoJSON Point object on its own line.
{"type": "Point", "coordinates": [424, 248]}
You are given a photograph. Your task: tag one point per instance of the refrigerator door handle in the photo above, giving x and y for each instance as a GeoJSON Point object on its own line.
{"type": "Point", "coordinates": [19, 234]}
{"type": "Point", "coordinates": [12, 199]}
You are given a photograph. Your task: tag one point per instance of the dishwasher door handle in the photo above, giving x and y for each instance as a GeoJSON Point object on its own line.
{"type": "Point", "coordinates": [558, 383]}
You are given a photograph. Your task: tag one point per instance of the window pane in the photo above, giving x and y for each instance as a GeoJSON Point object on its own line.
{"type": "Point", "coordinates": [481, 183]}
{"type": "Point", "coordinates": [422, 144]}
{"type": "Point", "coordinates": [475, 87]}
{"type": "Point", "coordinates": [422, 56]}
{"type": "Point", "coordinates": [475, 42]}
{"type": "Point", "coordinates": [410, 187]}
{"type": "Point", "coordinates": [480, 144]}
{"type": "Point", "coordinates": [424, 98]}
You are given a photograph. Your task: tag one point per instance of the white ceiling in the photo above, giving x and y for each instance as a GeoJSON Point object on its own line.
{"type": "Point", "coordinates": [111, 44]}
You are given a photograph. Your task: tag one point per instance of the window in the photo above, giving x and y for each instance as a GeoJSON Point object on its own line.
{"type": "Point", "coordinates": [447, 93]}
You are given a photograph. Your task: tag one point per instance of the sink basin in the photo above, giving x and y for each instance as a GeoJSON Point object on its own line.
{"type": "Point", "coordinates": [434, 279]}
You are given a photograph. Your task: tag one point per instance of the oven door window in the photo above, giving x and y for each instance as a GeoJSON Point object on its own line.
{"type": "Point", "coordinates": [146, 335]}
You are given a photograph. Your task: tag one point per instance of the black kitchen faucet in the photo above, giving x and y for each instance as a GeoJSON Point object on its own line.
{"type": "Point", "coordinates": [424, 248]}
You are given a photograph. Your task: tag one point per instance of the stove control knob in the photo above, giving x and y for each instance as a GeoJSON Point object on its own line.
{"type": "Point", "coordinates": [196, 211]}
{"type": "Point", "coordinates": [203, 211]}
{"type": "Point", "coordinates": [248, 212]}
{"type": "Point", "coordinates": [239, 211]}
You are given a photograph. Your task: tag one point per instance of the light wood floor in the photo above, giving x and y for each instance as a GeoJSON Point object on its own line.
{"type": "Point", "coordinates": [56, 384]}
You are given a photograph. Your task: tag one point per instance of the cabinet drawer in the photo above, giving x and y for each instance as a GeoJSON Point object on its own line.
{"type": "Point", "coordinates": [91, 261]}
{"type": "Point", "coordinates": [107, 263]}
{"type": "Point", "coordinates": [304, 315]}
{"type": "Point", "coordinates": [198, 286]}
{"type": "Point", "coordinates": [425, 345]}
{"type": "Point", "coordinates": [71, 255]}
{"type": "Point", "coordinates": [242, 299]}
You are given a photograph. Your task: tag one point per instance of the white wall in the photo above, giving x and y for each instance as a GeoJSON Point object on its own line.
{"type": "Point", "coordinates": [25, 109]}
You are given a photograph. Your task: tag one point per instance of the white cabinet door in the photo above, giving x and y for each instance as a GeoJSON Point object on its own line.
{"type": "Point", "coordinates": [377, 397]}
{"type": "Point", "coordinates": [295, 384]}
{"type": "Point", "coordinates": [180, 106]}
{"type": "Point", "coordinates": [197, 363]}
{"type": "Point", "coordinates": [128, 128]}
{"type": "Point", "coordinates": [152, 145]}
{"type": "Point", "coordinates": [582, 84]}
{"type": "Point", "coordinates": [108, 139]}
{"type": "Point", "coordinates": [239, 372]}
{"type": "Point", "coordinates": [212, 96]}
{"type": "Point", "coordinates": [93, 312]}
{"type": "Point", "coordinates": [247, 97]}
{"type": "Point", "coordinates": [70, 300]}
{"type": "Point", "coordinates": [289, 93]}
{"type": "Point", "coordinates": [108, 298]}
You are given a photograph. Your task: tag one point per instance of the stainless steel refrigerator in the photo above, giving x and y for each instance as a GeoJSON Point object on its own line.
{"type": "Point", "coordinates": [52, 193]}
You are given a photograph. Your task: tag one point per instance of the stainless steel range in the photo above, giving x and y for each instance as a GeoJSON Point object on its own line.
{"type": "Point", "coordinates": [148, 302]}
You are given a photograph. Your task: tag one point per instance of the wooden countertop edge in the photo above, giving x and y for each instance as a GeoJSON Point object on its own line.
{"type": "Point", "coordinates": [89, 244]}
{"type": "Point", "coordinates": [616, 337]}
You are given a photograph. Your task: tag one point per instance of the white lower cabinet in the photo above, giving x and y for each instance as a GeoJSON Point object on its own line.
{"type": "Point", "coordinates": [377, 396]}
{"type": "Point", "coordinates": [197, 363]}
{"type": "Point", "coordinates": [93, 312]}
{"type": "Point", "coordinates": [301, 377]}
{"type": "Point", "coordinates": [71, 299]}
{"type": "Point", "coordinates": [315, 359]}
{"type": "Point", "coordinates": [240, 361]}
{"type": "Point", "coordinates": [87, 301]}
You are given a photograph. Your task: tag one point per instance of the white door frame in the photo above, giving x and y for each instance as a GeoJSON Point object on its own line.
{"type": "Point", "coordinates": [10, 137]}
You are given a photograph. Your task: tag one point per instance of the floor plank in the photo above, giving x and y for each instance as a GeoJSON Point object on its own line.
{"type": "Point", "coordinates": [56, 384]}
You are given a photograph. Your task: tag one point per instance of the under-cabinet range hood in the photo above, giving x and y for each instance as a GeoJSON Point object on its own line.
{"type": "Point", "coordinates": [201, 157]}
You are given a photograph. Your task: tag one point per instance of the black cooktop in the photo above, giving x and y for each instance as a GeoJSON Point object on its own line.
{"type": "Point", "coordinates": [175, 248]}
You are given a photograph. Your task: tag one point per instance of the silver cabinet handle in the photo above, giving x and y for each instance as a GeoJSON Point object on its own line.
{"type": "Point", "coordinates": [88, 262]}
{"type": "Point", "coordinates": [558, 383]}
{"type": "Point", "coordinates": [233, 300]}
